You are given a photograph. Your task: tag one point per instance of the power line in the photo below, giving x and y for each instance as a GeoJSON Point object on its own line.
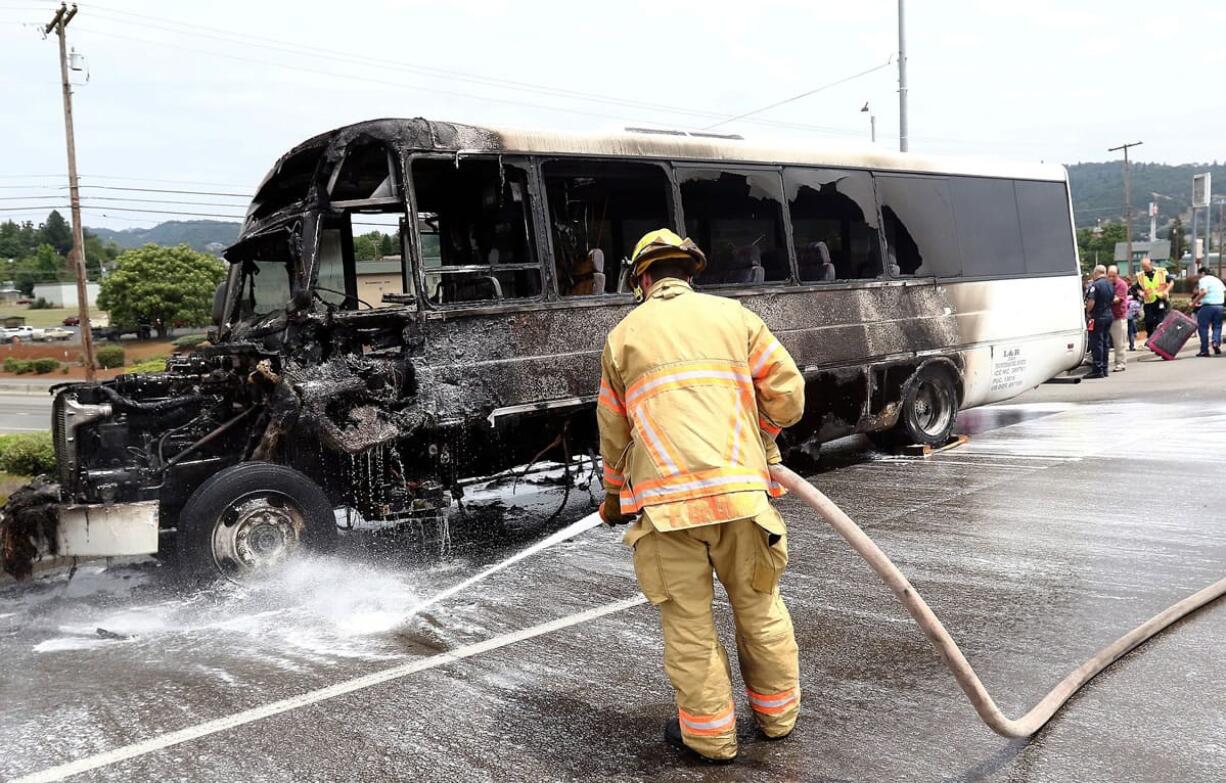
{"type": "Point", "coordinates": [565, 94]}
{"type": "Point", "coordinates": [805, 94]}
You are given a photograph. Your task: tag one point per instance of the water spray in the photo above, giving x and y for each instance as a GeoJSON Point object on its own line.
{"type": "Point", "coordinates": [570, 531]}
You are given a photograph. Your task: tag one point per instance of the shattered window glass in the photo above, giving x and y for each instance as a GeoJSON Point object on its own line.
{"type": "Point", "coordinates": [920, 232]}
{"type": "Point", "coordinates": [737, 219]}
{"type": "Point", "coordinates": [289, 184]}
{"type": "Point", "coordinates": [834, 224]}
{"type": "Point", "coordinates": [473, 215]}
{"type": "Point", "coordinates": [265, 288]}
{"type": "Point", "coordinates": [597, 211]}
{"type": "Point", "coordinates": [366, 173]}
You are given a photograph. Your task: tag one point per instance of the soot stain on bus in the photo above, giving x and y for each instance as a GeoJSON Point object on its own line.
{"type": "Point", "coordinates": [390, 412]}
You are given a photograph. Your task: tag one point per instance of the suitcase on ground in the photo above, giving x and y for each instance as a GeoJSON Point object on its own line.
{"type": "Point", "coordinates": [1171, 334]}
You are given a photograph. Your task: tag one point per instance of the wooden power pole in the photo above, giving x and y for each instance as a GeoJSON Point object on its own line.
{"type": "Point", "coordinates": [1127, 196]}
{"type": "Point", "coordinates": [62, 17]}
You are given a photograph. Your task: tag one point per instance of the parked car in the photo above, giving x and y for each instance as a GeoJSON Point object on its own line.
{"type": "Point", "coordinates": [10, 333]}
{"type": "Point", "coordinates": [25, 301]}
{"type": "Point", "coordinates": [72, 320]}
{"type": "Point", "coordinates": [54, 333]}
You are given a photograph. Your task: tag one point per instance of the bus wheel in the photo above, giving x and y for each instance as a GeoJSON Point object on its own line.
{"type": "Point", "coordinates": [250, 519]}
{"type": "Point", "coordinates": [929, 407]}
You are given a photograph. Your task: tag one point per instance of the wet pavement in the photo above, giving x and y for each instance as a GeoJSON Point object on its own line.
{"type": "Point", "coordinates": [1074, 514]}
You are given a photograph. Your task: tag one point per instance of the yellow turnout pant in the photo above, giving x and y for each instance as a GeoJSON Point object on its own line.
{"type": "Point", "coordinates": [674, 572]}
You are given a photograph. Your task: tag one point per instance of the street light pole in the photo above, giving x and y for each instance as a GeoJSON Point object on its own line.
{"type": "Point", "coordinates": [1127, 195]}
{"type": "Point", "coordinates": [902, 81]}
{"type": "Point", "coordinates": [62, 17]}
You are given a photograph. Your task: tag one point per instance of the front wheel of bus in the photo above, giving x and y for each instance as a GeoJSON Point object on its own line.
{"type": "Point", "coordinates": [249, 520]}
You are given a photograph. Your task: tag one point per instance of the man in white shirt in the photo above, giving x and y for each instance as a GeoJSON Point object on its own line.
{"type": "Point", "coordinates": [1209, 298]}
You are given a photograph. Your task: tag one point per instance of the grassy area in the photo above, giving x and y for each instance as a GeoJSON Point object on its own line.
{"type": "Point", "coordinates": [41, 319]}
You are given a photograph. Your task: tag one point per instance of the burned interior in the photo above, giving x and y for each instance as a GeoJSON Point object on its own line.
{"type": "Point", "coordinates": [473, 346]}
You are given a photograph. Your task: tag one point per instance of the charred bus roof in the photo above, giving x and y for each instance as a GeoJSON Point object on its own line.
{"type": "Point", "coordinates": [291, 184]}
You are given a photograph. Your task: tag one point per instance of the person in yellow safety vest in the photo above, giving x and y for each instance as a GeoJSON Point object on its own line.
{"type": "Point", "coordinates": [693, 390]}
{"type": "Point", "coordinates": [1155, 295]}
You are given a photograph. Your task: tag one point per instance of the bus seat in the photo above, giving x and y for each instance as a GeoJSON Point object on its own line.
{"type": "Point", "coordinates": [747, 265]}
{"type": "Point", "coordinates": [828, 273]}
{"type": "Point", "coordinates": [596, 258]}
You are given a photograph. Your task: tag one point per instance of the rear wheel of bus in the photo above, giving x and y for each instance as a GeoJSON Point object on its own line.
{"type": "Point", "coordinates": [927, 411]}
{"type": "Point", "coordinates": [250, 520]}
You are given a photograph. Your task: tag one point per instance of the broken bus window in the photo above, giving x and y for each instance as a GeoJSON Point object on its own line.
{"type": "Point", "coordinates": [920, 233]}
{"type": "Point", "coordinates": [476, 212]}
{"type": "Point", "coordinates": [357, 266]}
{"type": "Point", "coordinates": [737, 219]}
{"type": "Point", "coordinates": [834, 224]}
{"type": "Point", "coordinates": [597, 211]}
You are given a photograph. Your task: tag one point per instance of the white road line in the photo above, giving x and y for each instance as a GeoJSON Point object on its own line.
{"type": "Point", "coordinates": [109, 757]}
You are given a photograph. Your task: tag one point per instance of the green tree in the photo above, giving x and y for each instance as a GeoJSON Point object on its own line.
{"type": "Point", "coordinates": [98, 252]}
{"type": "Point", "coordinates": [386, 246]}
{"type": "Point", "coordinates": [165, 285]}
{"type": "Point", "coordinates": [1098, 245]}
{"type": "Point", "coordinates": [17, 240]}
{"type": "Point", "coordinates": [57, 233]}
{"type": "Point", "coordinates": [1178, 242]}
{"type": "Point", "coordinates": [43, 266]}
{"type": "Point", "coordinates": [366, 247]}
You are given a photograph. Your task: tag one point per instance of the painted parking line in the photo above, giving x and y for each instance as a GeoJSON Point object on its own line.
{"type": "Point", "coordinates": [163, 741]}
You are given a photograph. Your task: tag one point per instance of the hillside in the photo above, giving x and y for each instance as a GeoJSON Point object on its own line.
{"type": "Point", "coordinates": [196, 234]}
{"type": "Point", "coordinates": [1098, 190]}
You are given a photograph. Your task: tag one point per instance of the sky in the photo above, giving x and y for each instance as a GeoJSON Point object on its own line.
{"type": "Point", "coordinates": [206, 96]}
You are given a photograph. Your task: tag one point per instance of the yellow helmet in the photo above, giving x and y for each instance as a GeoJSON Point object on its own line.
{"type": "Point", "coordinates": [661, 244]}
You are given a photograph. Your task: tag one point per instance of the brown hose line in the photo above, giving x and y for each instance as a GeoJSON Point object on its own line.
{"type": "Point", "coordinates": [948, 651]}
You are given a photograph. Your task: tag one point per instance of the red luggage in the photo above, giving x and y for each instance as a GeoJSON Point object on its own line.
{"type": "Point", "coordinates": [1171, 334]}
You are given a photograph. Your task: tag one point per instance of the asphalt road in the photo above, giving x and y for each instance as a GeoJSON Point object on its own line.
{"type": "Point", "coordinates": [1074, 514]}
{"type": "Point", "coordinates": [25, 412]}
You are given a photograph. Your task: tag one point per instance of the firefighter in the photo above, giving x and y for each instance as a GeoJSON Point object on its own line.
{"type": "Point", "coordinates": [693, 391]}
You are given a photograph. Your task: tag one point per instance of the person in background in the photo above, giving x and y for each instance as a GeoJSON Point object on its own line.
{"type": "Point", "coordinates": [1133, 312]}
{"type": "Point", "coordinates": [1155, 294]}
{"type": "Point", "coordinates": [1119, 316]}
{"type": "Point", "coordinates": [1099, 298]}
{"type": "Point", "coordinates": [1209, 298]}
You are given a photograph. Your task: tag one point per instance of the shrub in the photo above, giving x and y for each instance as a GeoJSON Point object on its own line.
{"type": "Point", "coordinates": [18, 366]}
{"type": "Point", "coordinates": [10, 363]}
{"type": "Point", "coordinates": [190, 342]}
{"type": "Point", "coordinates": [110, 356]}
{"type": "Point", "coordinates": [64, 370]}
{"type": "Point", "coordinates": [40, 304]}
{"type": "Point", "coordinates": [27, 454]}
{"type": "Point", "coordinates": [153, 364]}
{"type": "Point", "coordinates": [44, 366]}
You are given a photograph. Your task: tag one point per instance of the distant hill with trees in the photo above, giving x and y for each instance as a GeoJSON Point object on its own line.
{"type": "Point", "coordinates": [196, 234]}
{"type": "Point", "coordinates": [1098, 191]}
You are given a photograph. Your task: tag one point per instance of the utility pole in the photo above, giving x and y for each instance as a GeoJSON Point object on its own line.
{"type": "Point", "coordinates": [902, 80]}
{"type": "Point", "coordinates": [1127, 195]}
{"type": "Point", "coordinates": [62, 17]}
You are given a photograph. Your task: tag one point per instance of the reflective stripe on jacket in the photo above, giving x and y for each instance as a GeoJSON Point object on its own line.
{"type": "Point", "coordinates": [693, 390]}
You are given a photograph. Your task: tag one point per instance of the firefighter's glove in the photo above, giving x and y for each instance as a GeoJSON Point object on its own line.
{"type": "Point", "coordinates": [611, 511]}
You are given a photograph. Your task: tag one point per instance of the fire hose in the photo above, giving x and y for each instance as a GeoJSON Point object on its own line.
{"type": "Point", "coordinates": [948, 651]}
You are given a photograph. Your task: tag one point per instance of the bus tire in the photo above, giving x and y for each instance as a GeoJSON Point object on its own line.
{"type": "Point", "coordinates": [251, 518]}
{"type": "Point", "coordinates": [927, 411]}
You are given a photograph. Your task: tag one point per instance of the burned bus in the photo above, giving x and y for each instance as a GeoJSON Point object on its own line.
{"type": "Point", "coordinates": [906, 287]}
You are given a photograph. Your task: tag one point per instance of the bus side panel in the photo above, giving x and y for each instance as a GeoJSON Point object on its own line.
{"type": "Point", "coordinates": [1016, 333]}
